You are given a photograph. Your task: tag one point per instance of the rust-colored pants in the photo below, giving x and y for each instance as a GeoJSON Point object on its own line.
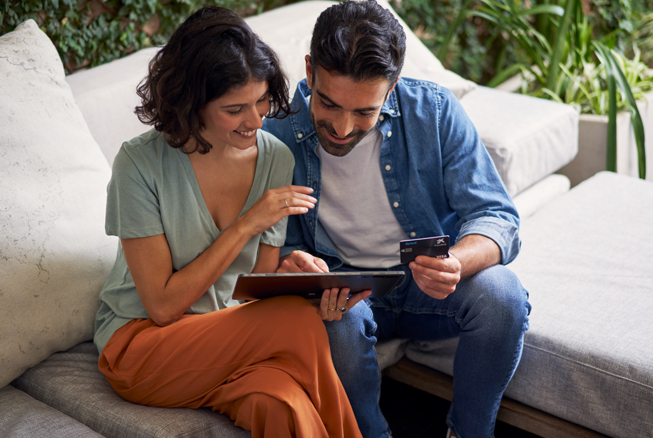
{"type": "Point", "coordinates": [266, 364]}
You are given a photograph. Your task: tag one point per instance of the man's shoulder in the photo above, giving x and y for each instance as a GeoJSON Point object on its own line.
{"type": "Point", "coordinates": [420, 88]}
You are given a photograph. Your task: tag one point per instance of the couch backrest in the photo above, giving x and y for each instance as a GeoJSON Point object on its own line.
{"type": "Point", "coordinates": [107, 97]}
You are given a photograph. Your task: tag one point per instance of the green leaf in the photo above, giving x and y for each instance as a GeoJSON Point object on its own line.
{"type": "Point", "coordinates": [559, 43]}
{"type": "Point", "coordinates": [453, 28]}
{"type": "Point", "coordinates": [616, 78]}
{"type": "Point", "coordinates": [544, 9]}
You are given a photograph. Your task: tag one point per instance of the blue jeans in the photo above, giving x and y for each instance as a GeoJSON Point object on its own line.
{"type": "Point", "coordinates": [488, 311]}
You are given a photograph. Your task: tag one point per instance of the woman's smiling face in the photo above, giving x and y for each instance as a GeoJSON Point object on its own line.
{"type": "Point", "coordinates": [233, 119]}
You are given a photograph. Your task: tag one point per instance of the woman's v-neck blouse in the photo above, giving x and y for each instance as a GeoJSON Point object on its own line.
{"type": "Point", "coordinates": [153, 190]}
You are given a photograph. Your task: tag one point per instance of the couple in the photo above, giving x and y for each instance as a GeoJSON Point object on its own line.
{"type": "Point", "coordinates": [372, 159]}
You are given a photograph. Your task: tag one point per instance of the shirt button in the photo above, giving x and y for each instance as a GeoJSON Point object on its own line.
{"type": "Point", "coordinates": [381, 117]}
{"type": "Point", "coordinates": [389, 133]}
{"type": "Point", "coordinates": [391, 111]}
{"type": "Point", "coordinates": [388, 167]}
{"type": "Point", "coordinates": [413, 234]}
{"type": "Point", "coordinates": [396, 204]}
{"type": "Point", "coordinates": [300, 135]}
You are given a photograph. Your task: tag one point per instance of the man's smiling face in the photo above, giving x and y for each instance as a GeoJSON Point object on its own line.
{"type": "Point", "coordinates": [343, 111]}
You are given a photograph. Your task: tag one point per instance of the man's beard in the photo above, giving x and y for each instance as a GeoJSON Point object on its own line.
{"type": "Point", "coordinates": [336, 149]}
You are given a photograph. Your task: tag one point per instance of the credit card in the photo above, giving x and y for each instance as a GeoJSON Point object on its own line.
{"type": "Point", "coordinates": [437, 247]}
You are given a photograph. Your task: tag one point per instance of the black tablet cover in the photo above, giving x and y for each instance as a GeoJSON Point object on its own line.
{"type": "Point", "coordinates": [312, 285]}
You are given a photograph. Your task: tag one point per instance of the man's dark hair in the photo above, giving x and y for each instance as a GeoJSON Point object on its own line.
{"type": "Point", "coordinates": [359, 39]}
{"type": "Point", "coordinates": [209, 54]}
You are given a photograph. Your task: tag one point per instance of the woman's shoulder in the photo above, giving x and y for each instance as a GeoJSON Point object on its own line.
{"type": "Point", "coordinates": [275, 147]}
{"type": "Point", "coordinates": [141, 149]}
{"type": "Point", "coordinates": [143, 144]}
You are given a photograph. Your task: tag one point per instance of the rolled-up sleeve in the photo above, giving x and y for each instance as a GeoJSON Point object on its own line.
{"type": "Point", "coordinates": [504, 233]}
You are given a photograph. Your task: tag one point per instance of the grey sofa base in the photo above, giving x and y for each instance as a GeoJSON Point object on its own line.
{"type": "Point", "coordinates": [71, 383]}
{"type": "Point", "coordinates": [511, 412]}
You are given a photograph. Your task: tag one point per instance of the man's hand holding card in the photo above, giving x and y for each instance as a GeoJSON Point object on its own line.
{"type": "Point", "coordinates": [434, 271]}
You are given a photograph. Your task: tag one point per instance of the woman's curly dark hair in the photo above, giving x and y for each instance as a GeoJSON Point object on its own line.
{"type": "Point", "coordinates": [209, 54]}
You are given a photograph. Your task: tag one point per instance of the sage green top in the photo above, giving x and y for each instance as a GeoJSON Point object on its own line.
{"type": "Point", "coordinates": [153, 190]}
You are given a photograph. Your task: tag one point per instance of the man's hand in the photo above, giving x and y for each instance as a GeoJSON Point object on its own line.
{"type": "Point", "coordinates": [437, 278]}
{"type": "Point", "coordinates": [300, 261]}
{"type": "Point", "coordinates": [334, 303]}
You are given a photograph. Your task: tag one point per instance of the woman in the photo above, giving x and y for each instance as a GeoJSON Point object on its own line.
{"type": "Point", "coordinates": [196, 201]}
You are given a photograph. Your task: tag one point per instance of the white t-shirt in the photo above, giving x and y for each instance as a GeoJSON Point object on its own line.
{"type": "Point", "coordinates": [354, 208]}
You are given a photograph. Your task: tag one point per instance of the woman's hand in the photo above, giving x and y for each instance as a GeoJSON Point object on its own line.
{"type": "Point", "coordinates": [300, 261]}
{"type": "Point", "coordinates": [336, 302]}
{"type": "Point", "coordinates": [274, 205]}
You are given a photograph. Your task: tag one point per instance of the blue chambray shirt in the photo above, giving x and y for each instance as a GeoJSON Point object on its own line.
{"type": "Point", "coordinates": [438, 175]}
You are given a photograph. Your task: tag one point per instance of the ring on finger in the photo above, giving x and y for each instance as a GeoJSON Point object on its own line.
{"type": "Point", "coordinates": [343, 309]}
{"type": "Point", "coordinates": [286, 201]}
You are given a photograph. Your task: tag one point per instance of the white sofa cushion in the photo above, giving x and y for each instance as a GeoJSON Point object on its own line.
{"type": "Point", "coordinates": [541, 193]}
{"type": "Point", "coordinates": [54, 253]}
{"type": "Point", "coordinates": [528, 138]}
{"type": "Point", "coordinates": [107, 97]}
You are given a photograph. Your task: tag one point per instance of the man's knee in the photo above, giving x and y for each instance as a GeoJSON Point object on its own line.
{"type": "Point", "coordinates": [500, 293]}
{"type": "Point", "coordinates": [357, 322]}
{"type": "Point", "coordinates": [352, 338]}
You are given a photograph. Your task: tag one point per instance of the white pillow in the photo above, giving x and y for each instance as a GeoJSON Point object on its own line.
{"type": "Point", "coordinates": [107, 97]}
{"type": "Point", "coordinates": [288, 31]}
{"type": "Point", "coordinates": [54, 255]}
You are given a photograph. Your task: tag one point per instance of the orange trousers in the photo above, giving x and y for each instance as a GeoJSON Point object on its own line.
{"type": "Point", "coordinates": [266, 364]}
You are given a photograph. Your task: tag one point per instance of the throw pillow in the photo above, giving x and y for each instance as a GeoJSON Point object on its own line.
{"type": "Point", "coordinates": [54, 255]}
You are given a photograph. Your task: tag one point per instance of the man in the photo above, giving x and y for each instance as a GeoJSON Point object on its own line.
{"type": "Point", "coordinates": [389, 159]}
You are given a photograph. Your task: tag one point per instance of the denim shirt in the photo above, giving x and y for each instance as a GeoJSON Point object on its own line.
{"type": "Point", "coordinates": [438, 175]}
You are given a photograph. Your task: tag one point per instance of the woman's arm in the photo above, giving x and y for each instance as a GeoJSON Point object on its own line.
{"type": "Point", "coordinates": [268, 259]}
{"type": "Point", "coordinates": [166, 295]}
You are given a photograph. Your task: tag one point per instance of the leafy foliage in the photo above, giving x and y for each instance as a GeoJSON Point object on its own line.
{"type": "Point", "coordinates": [479, 50]}
{"type": "Point", "coordinates": [87, 33]}
{"type": "Point", "coordinates": [574, 66]}
{"type": "Point", "coordinates": [471, 48]}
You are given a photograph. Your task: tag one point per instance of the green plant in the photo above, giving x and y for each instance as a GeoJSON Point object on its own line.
{"type": "Point", "coordinates": [471, 51]}
{"type": "Point", "coordinates": [87, 33]}
{"type": "Point", "coordinates": [644, 38]}
{"type": "Point", "coordinates": [569, 65]}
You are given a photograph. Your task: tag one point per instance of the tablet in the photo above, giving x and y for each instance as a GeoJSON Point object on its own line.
{"type": "Point", "coordinates": [312, 285]}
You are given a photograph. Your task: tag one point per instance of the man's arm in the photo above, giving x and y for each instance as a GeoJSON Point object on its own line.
{"type": "Point", "coordinates": [475, 253]}
{"type": "Point", "coordinates": [439, 277]}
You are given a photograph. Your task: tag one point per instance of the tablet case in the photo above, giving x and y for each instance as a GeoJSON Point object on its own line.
{"type": "Point", "coordinates": [312, 285]}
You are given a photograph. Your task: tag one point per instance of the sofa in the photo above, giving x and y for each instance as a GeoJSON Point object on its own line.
{"type": "Point", "coordinates": [587, 253]}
